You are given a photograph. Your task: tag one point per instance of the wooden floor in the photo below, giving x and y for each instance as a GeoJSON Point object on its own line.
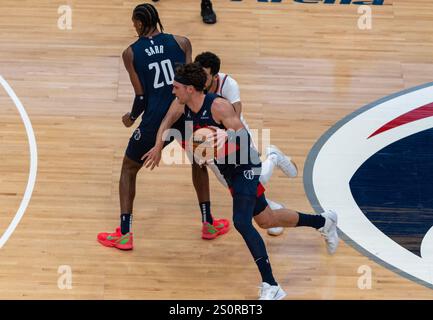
{"type": "Point", "coordinates": [301, 68]}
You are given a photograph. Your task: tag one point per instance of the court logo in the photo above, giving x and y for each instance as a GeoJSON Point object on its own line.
{"type": "Point", "coordinates": [375, 168]}
{"type": "Point", "coordinates": [356, 2]}
{"type": "Point", "coordinates": [371, 2]}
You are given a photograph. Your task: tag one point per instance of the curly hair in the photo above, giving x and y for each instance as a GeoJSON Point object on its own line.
{"type": "Point", "coordinates": [209, 60]}
{"type": "Point", "coordinates": [193, 74]}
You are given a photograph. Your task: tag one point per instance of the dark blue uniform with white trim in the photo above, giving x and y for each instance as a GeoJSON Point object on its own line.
{"type": "Point", "coordinates": [242, 178]}
{"type": "Point", "coordinates": [155, 59]}
{"type": "Point", "coordinates": [243, 181]}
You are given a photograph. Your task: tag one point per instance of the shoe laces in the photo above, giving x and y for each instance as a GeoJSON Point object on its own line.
{"type": "Point", "coordinates": [267, 293]}
{"type": "Point", "coordinates": [209, 227]}
{"type": "Point", "coordinates": [261, 290]}
{"type": "Point", "coordinates": [264, 290]}
{"type": "Point", "coordinates": [323, 233]}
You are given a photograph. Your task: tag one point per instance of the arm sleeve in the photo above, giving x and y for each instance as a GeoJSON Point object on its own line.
{"type": "Point", "coordinates": [138, 107]}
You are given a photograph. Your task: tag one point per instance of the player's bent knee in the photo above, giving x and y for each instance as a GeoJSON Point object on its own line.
{"type": "Point", "coordinates": [263, 221]}
{"type": "Point", "coordinates": [264, 224]}
{"type": "Point", "coordinates": [265, 218]}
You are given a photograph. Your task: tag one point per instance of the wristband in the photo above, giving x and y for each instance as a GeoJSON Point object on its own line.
{"type": "Point", "coordinates": [138, 107]}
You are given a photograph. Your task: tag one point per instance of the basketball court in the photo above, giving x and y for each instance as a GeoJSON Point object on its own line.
{"type": "Point", "coordinates": [307, 72]}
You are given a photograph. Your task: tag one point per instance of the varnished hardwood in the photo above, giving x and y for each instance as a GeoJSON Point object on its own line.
{"type": "Point", "coordinates": [301, 68]}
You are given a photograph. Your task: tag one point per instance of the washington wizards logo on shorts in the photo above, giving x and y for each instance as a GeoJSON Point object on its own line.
{"type": "Point", "coordinates": [249, 174]}
{"type": "Point", "coordinates": [137, 134]}
{"type": "Point", "coordinates": [376, 167]}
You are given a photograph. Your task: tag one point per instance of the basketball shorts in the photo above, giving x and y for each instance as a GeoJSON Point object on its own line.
{"type": "Point", "coordinates": [245, 181]}
{"type": "Point", "coordinates": [143, 139]}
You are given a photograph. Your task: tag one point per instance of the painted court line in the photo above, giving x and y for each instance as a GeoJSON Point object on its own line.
{"type": "Point", "coordinates": [33, 163]}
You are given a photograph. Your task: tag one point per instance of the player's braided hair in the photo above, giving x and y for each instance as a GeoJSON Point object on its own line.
{"type": "Point", "coordinates": [149, 17]}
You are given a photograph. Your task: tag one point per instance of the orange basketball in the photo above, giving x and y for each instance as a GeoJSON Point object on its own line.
{"type": "Point", "coordinates": [204, 150]}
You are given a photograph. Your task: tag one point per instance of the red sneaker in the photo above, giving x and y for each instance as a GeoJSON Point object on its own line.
{"type": "Point", "coordinates": [116, 239]}
{"type": "Point", "coordinates": [211, 231]}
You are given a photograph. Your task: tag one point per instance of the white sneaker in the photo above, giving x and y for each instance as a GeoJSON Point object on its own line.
{"type": "Point", "coordinates": [284, 162]}
{"type": "Point", "coordinates": [275, 231]}
{"type": "Point", "coordinates": [329, 230]}
{"type": "Point", "coordinates": [268, 292]}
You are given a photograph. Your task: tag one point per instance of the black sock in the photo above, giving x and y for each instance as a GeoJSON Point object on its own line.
{"type": "Point", "coordinates": [311, 220]}
{"type": "Point", "coordinates": [125, 222]}
{"type": "Point", "coordinates": [266, 270]}
{"type": "Point", "coordinates": [205, 212]}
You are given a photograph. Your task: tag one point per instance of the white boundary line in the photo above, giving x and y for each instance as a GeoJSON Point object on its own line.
{"type": "Point", "coordinates": [33, 163]}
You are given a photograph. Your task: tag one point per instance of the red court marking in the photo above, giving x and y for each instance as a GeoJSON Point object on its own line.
{"type": "Point", "coordinates": [413, 115]}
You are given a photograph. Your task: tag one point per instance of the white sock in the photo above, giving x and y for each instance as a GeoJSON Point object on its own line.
{"type": "Point", "coordinates": [274, 205]}
{"type": "Point", "coordinates": [268, 168]}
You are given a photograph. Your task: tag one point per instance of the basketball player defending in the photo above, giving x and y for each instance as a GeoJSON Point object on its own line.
{"type": "Point", "coordinates": [150, 62]}
{"type": "Point", "coordinates": [227, 87]}
{"type": "Point", "coordinates": [241, 176]}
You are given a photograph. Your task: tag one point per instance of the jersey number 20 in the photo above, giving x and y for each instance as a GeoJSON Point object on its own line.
{"type": "Point", "coordinates": [167, 70]}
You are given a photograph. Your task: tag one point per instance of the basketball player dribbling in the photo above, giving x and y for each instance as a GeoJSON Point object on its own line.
{"type": "Point", "coordinates": [228, 88]}
{"type": "Point", "coordinates": [242, 176]}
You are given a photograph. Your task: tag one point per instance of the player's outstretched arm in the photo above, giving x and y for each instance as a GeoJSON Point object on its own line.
{"type": "Point", "coordinates": [153, 156]}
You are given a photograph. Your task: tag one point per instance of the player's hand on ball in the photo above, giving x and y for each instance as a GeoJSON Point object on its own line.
{"type": "Point", "coordinates": [218, 138]}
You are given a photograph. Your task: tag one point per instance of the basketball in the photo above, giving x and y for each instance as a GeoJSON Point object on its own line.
{"type": "Point", "coordinates": [203, 149]}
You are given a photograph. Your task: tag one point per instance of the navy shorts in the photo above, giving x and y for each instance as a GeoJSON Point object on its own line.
{"type": "Point", "coordinates": [245, 181]}
{"type": "Point", "coordinates": [143, 139]}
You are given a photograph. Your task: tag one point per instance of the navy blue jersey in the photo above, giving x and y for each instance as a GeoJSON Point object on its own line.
{"type": "Point", "coordinates": [231, 163]}
{"type": "Point", "coordinates": [203, 118]}
{"type": "Point", "coordinates": [155, 59]}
